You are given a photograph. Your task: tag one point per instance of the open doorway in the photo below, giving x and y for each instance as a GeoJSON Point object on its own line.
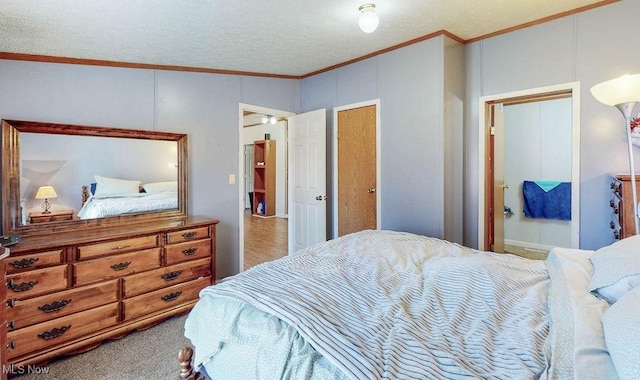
{"type": "Point", "coordinates": [529, 140]}
{"type": "Point", "coordinates": [264, 235]}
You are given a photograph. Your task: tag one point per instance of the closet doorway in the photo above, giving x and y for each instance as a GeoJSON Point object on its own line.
{"type": "Point", "coordinates": [529, 141]}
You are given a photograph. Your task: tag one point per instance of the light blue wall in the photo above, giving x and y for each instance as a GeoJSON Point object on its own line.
{"type": "Point", "coordinates": [589, 47]}
{"type": "Point", "coordinates": [409, 84]}
{"type": "Point", "coordinates": [205, 106]}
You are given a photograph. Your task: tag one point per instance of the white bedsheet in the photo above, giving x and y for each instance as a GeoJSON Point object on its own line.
{"type": "Point", "coordinates": [111, 205]}
{"type": "Point", "coordinates": [390, 305]}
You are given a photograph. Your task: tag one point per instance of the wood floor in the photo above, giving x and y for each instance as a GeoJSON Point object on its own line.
{"type": "Point", "coordinates": [265, 239]}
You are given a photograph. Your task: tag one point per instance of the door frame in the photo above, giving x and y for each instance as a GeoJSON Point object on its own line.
{"type": "Point", "coordinates": [241, 174]}
{"type": "Point", "coordinates": [523, 95]}
{"type": "Point", "coordinates": [335, 207]}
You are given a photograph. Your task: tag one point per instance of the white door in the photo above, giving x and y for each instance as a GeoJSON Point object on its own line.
{"type": "Point", "coordinates": [308, 182]}
{"type": "Point", "coordinates": [248, 175]}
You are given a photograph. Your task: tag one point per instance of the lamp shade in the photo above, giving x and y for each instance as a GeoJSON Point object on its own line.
{"type": "Point", "coordinates": [46, 192]}
{"type": "Point", "coordinates": [618, 91]}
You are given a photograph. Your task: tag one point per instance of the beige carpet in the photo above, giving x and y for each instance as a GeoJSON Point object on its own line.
{"type": "Point", "coordinates": [148, 354]}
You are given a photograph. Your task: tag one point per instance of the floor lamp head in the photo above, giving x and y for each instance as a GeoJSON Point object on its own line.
{"type": "Point", "coordinates": [624, 94]}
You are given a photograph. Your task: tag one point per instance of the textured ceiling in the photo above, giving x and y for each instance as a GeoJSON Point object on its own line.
{"type": "Point", "coordinates": [283, 37]}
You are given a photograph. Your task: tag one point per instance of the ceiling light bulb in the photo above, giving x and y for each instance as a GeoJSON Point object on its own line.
{"type": "Point", "coordinates": [265, 120]}
{"type": "Point", "coordinates": [368, 21]}
{"type": "Point", "coordinates": [273, 120]}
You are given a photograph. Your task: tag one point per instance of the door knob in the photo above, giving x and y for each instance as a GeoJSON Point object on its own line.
{"type": "Point", "coordinates": [504, 186]}
{"type": "Point", "coordinates": [371, 190]}
{"type": "Point", "coordinates": [320, 197]}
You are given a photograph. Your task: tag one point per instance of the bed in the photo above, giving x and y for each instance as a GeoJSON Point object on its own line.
{"type": "Point", "coordinates": [111, 197]}
{"type": "Point", "coordinates": [394, 305]}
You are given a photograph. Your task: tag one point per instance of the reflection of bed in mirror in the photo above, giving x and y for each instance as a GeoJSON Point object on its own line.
{"type": "Point", "coordinates": [130, 198]}
{"type": "Point", "coordinates": [68, 157]}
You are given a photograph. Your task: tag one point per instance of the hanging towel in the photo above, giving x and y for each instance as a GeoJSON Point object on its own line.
{"type": "Point", "coordinates": [547, 185]}
{"type": "Point", "coordinates": [554, 203]}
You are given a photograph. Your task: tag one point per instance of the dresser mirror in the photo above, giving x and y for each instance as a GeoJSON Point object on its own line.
{"type": "Point", "coordinates": [58, 177]}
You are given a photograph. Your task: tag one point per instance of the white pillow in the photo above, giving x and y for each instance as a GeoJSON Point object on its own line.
{"type": "Point", "coordinates": [621, 325]}
{"type": "Point", "coordinates": [112, 186]}
{"type": "Point", "coordinates": [616, 269]}
{"type": "Point", "coordinates": [160, 187]}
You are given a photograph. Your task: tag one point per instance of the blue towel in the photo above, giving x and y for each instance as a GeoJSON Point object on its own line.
{"type": "Point", "coordinates": [554, 203]}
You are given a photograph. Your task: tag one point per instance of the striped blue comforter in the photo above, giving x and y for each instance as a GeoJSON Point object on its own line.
{"type": "Point", "coordinates": [391, 305]}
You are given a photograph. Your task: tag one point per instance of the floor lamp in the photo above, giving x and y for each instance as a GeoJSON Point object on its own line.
{"type": "Point", "coordinates": [624, 94]}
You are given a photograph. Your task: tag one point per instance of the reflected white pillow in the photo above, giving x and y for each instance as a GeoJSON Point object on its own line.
{"type": "Point", "coordinates": [160, 187]}
{"type": "Point", "coordinates": [621, 325]}
{"type": "Point", "coordinates": [616, 269]}
{"type": "Point", "coordinates": [112, 186]}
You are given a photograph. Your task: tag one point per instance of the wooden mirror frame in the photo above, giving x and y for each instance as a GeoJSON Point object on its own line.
{"type": "Point", "coordinates": [11, 214]}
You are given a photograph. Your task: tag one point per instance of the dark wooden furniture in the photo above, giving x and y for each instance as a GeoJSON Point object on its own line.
{"type": "Point", "coordinates": [185, 357]}
{"type": "Point", "coordinates": [69, 284]}
{"type": "Point", "coordinates": [68, 292]}
{"type": "Point", "coordinates": [53, 216]}
{"type": "Point", "coordinates": [264, 177]}
{"type": "Point", "coordinates": [621, 203]}
{"type": "Point", "coordinates": [4, 252]}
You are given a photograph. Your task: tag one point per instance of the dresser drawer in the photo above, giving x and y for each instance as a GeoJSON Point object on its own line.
{"type": "Point", "coordinates": [162, 299]}
{"type": "Point", "coordinates": [160, 278]}
{"type": "Point", "coordinates": [177, 253]}
{"type": "Point", "coordinates": [28, 312]}
{"type": "Point", "coordinates": [34, 261]}
{"type": "Point", "coordinates": [186, 235]}
{"type": "Point", "coordinates": [36, 282]}
{"type": "Point", "coordinates": [116, 266]}
{"type": "Point", "coordinates": [59, 330]}
{"type": "Point", "coordinates": [116, 246]}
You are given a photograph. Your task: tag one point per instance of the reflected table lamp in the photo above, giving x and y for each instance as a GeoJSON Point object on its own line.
{"type": "Point", "coordinates": [624, 94]}
{"type": "Point", "coordinates": [46, 193]}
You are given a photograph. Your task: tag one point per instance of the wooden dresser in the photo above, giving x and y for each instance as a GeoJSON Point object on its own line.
{"type": "Point", "coordinates": [621, 203]}
{"type": "Point", "coordinates": [67, 292]}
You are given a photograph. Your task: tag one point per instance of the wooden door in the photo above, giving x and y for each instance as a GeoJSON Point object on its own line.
{"type": "Point", "coordinates": [357, 182]}
{"type": "Point", "coordinates": [497, 130]}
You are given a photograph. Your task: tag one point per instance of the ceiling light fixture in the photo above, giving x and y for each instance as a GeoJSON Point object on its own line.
{"type": "Point", "coordinates": [368, 21]}
{"type": "Point", "coordinates": [268, 119]}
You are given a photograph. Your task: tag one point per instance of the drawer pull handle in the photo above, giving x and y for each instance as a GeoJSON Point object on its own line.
{"type": "Point", "coordinates": [189, 235]}
{"type": "Point", "coordinates": [23, 287]}
{"type": "Point", "coordinates": [190, 251]}
{"type": "Point", "coordinates": [120, 266]}
{"type": "Point", "coordinates": [11, 303]}
{"type": "Point", "coordinates": [120, 247]}
{"type": "Point", "coordinates": [25, 263]}
{"type": "Point", "coordinates": [55, 333]}
{"type": "Point", "coordinates": [11, 345]}
{"type": "Point", "coordinates": [171, 276]}
{"type": "Point", "coordinates": [11, 325]}
{"type": "Point", "coordinates": [54, 306]}
{"type": "Point", "coordinates": [171, 296]}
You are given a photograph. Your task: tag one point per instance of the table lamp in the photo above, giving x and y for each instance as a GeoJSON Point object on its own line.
{"type": "Point", "coordinates": [46, 193]}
